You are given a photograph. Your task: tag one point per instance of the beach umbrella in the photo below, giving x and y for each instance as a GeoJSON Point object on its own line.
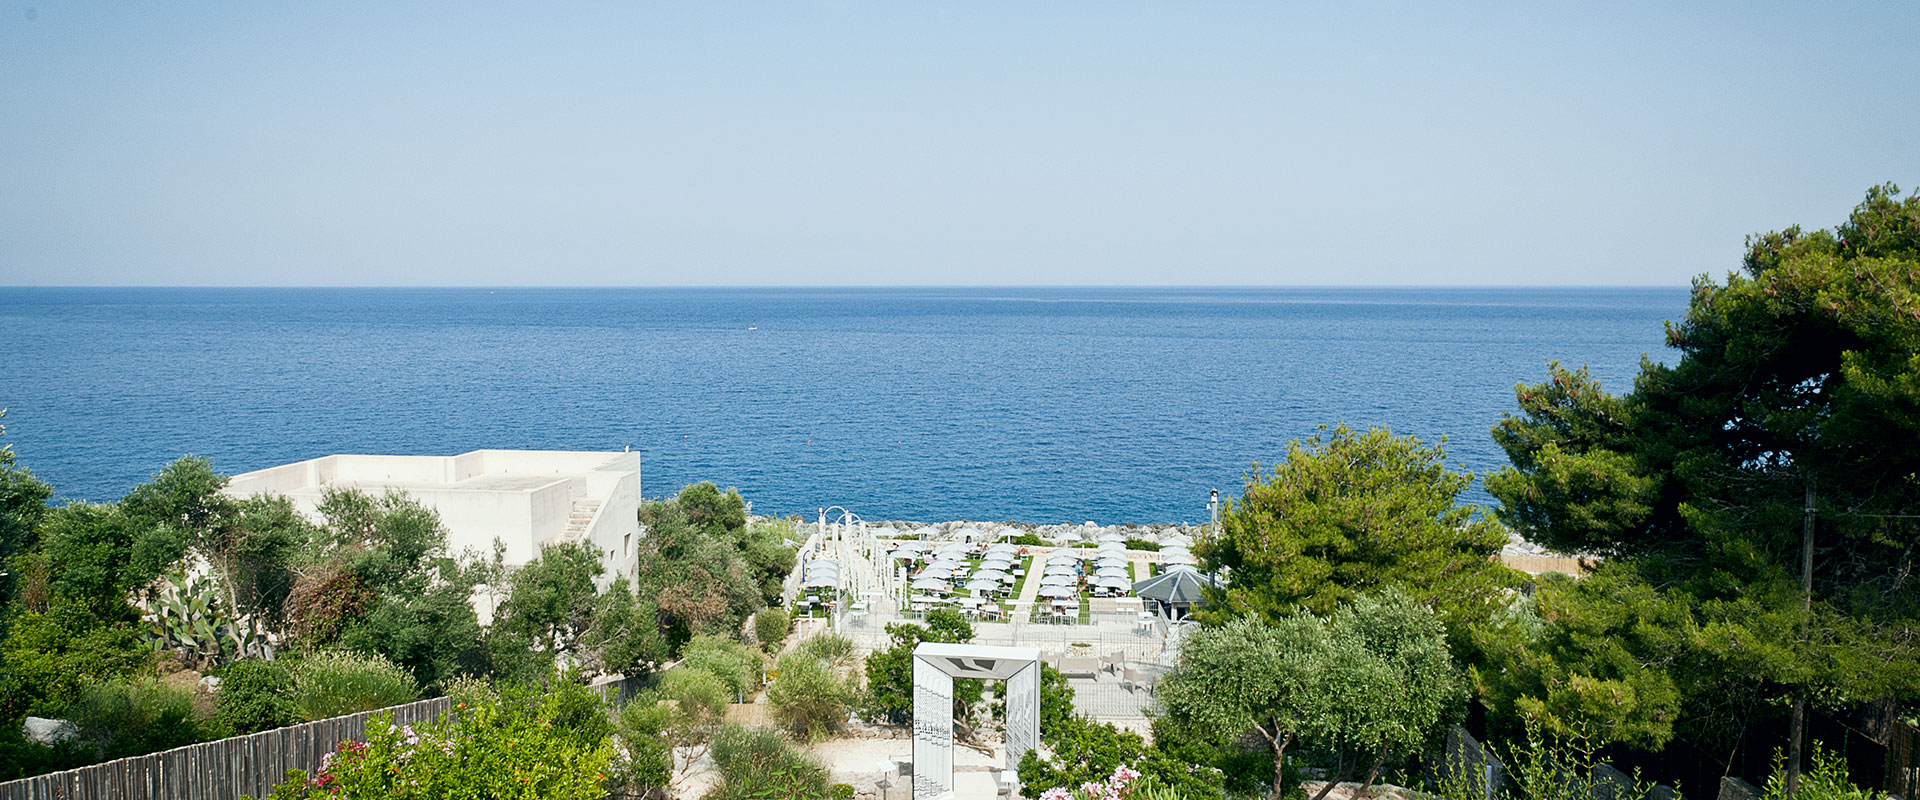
{"type": "Point", "coordinates": [911, 547]}
{"type": "Point", "coordinates": [1111, 572]}
{"type": "Point", "coordinates": [1176, 540]}
{"type": "Point", "coordinates": [1114, 583]}
{"type": "Point", "coordinates": [1177, 587]}
{"type": "Point", "coordinates": [992, 575]}
{"type": "Point", "coordinates": [1110, 562]}
{"type": "Point", "coordinates": [982, 585]}
{"type": "Point", "coordinates": [996, 563]}
{"type": "Point", "coordinates": [885, 532]}
{"type": "Point", "coordinates": [953, 547]}
{"type": "Point", "coordinates": [1003, 547]}
{"type": "Point", "coordinates": [822, 566]}
{"type": "Point", "coordinates": [1178, 568]}
{"type": "Point", "coordinates": [925, 532]}
{"type": "Point", "coordinates": [936, 572]}
{"type": "Point", "coordinates": [1178, 558]}
{"type": "Point", "coordinates": [1173, 549]}
{"type": "Point", "coordinates": [949, 559]}
{"type": "Point", "coordinates": [822, 581]}
{"type": "Point", "coordinates": [1112, 537]}
{"type": "Point", "coordinates": [1058, 591]}
{"type": "Point", "coordinates": [1059, 578]}
{"type": "Point", "coordinates": [1010, 533]}
{"type": "Point", "coordinates": [1061, 569]}
{"type": "Point", "coordinates": [930, 584]}
{"type": "Point", "coordinates": [968, 534]}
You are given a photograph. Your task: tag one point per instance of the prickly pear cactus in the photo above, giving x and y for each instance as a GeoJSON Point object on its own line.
{"type": "Point", "coordinates": [189, 619]}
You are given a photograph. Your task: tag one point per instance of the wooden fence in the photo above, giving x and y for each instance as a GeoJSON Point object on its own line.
{"type": "Point", "coordinates": [217, 770]}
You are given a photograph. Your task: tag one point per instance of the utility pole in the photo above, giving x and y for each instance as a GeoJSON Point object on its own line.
{"type": "Point", "coordinates": [1799, 724]}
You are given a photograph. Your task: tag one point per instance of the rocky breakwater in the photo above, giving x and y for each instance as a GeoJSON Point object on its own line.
{"type": "Point", "coordinates": [1066, 534]}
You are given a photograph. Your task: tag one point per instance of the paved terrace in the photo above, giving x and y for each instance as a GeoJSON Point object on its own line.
{"type": "Point", "coordinates": [1112, 660]}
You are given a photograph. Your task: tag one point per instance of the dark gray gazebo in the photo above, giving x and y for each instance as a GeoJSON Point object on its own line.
{"type": "Point", "coordinates": [1176, 589]}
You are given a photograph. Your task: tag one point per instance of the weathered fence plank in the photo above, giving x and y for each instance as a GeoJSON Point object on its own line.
{"type": "Point", "coordinates": [217, 770]}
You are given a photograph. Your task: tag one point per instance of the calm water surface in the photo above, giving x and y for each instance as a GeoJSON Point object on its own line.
{"type": "Point", "coordinates": [1040, 405]}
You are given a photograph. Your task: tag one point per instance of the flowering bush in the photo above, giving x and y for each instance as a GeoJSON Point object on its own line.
{"type": "Point", "coordinates": [1123, 784]}
{"type": "Point", "coordinates": [487, 748]}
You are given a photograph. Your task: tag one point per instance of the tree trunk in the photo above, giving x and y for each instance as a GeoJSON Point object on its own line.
{"type": "Point", "coordinates": [1279, 763]}
{"type": "Point", "coordinates": [1372, 774]}
{"type": "Point", "coordinates": [1797, 732]}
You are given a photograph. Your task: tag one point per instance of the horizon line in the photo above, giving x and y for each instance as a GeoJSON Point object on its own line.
{"type": "Point", "coordinates": [497, 287]}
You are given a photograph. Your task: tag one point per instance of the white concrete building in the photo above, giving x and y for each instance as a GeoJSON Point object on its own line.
{"type": "Point", "coordinates": [524, 498]}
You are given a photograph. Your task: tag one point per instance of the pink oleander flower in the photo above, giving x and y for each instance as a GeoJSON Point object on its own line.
{"type": "Point", "coordinates": [1091, 790]}
{"type": "Point", "coordinates": [1056, 794]}
{"type": "Point", "coordinates": [1123, 775]}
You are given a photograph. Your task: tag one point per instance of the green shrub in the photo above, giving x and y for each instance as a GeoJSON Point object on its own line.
{"type": "Point", "coordinates": [1825, 779]}
{"type": "Point", "coordinates": [642, 763]}
{"type": "Point", "coordinates": [1546, 766]}
{"type": "Point", "coordinates": [770, 627]}
{"type": "Point", "coordinates": [948, 625]}
{"type": "Point", "coordinates": [133, 718]}
{"type": "Point", "coordinates": [681, 713]}
{"type": "Point", "coordinates": [832, 649]}
{"type": "Point", "coordinates": [759, 764]}
{"type": "Point", "coordinates": [1142, 544]}
{"type": "Point", "coordinates": [336, 684]}
{"type": "Point", "coordinates": [1031, 539]}
{"type": "Point", "coordinates": [513, 744]}
{"type": "Point", "coordinates": [569, 705]}
{"type": "Point", "coordinates": [21, 757]}
{"type": "Point", "coordinates": [698, 693]}
{"type": "Point", "coordinates": [52, 658]}
{"type": "Point", "coordinates": [807, 697]}
{"type": "Point", "coordinates": [255, 696]}
{"type": "Point", "coordinates": [735, 664]}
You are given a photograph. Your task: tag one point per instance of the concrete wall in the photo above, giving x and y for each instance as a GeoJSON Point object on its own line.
{"type": "Point", "coordinates": [475, 518]}
{"type": "Point", "coordinates": [616, 528]}
{"type": "Point", "coordinates": [548, 462]}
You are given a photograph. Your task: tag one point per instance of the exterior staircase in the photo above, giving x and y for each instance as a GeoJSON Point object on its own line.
{"type": "Point", "coordinates": [579, 517]}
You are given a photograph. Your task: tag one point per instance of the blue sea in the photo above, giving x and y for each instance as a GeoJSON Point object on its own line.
{"type": "Point", "coordinates": [1038, 405]}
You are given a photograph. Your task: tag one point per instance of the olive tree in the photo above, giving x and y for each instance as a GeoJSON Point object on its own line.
{"type": "Point", "coordinates": [1372, 683]}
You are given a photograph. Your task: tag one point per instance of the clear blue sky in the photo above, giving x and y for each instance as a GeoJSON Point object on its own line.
{"type": "Point", "coordinates": [959, 143]}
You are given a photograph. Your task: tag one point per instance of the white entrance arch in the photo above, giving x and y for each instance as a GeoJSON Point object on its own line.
{"type": "Point", "coordinates": [935, 665]}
